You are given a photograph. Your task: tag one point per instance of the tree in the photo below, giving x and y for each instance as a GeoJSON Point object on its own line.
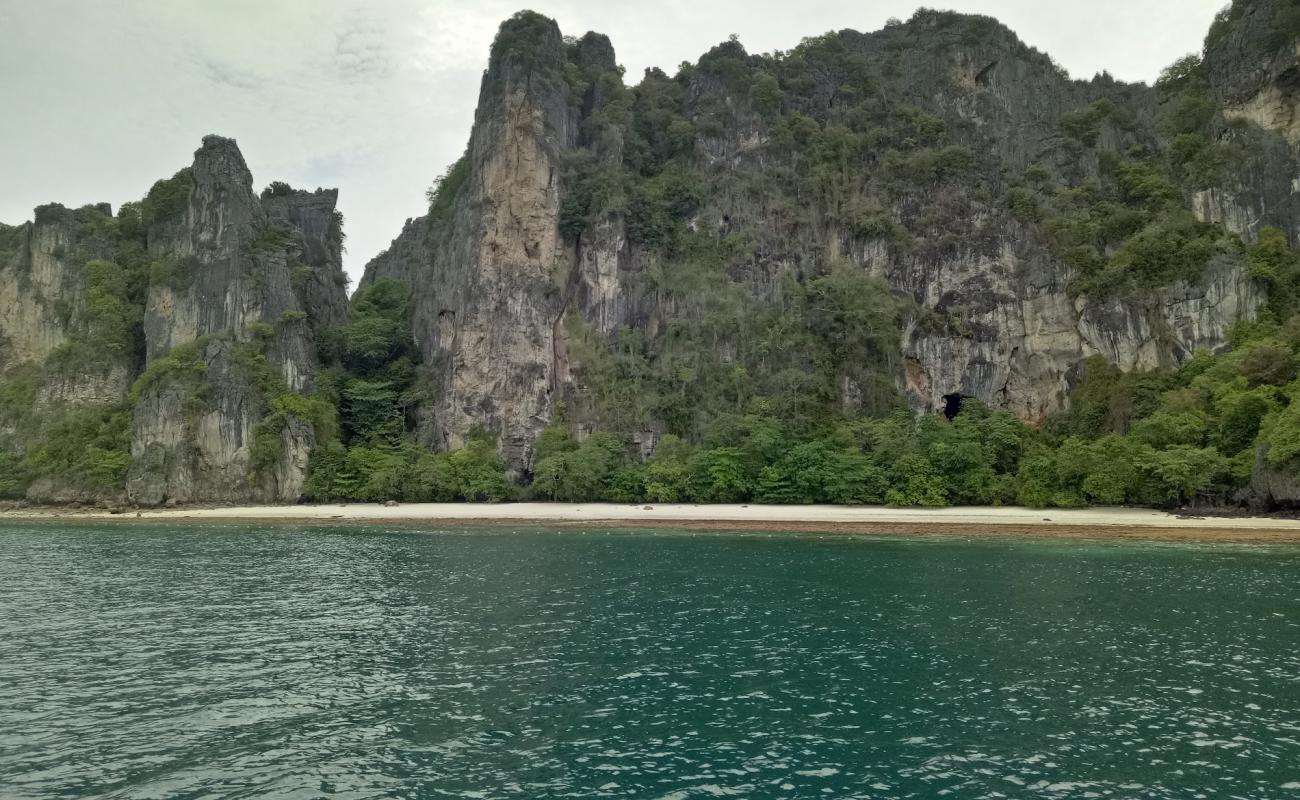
{"type": "Point", "coordinates": [370, 412]}
{"type": "Point", "coordinates": [852, 479]}
{"type": "Point", "coordinates": [667, 478]}
{"type": "Point", "coordinates": [581, 473]}
{"type": "Point", "coordinates": [1283, 436]}
{"type": "Point", "coordinates": [480, 475]}
{"type": "Point", "coordinates": [853, 316]}
{"type": "Point", "coordinates": [1166, 430]}
{"type": "Point", "coordinates": [1240, 422]}
{"type": "Point", "coordinates": [1268, 366]}
{"type": "Point", "coordinates": [12, 480]}
{"type": "Point", "coordinates": [378, 330]}
{"type": "Point", "coordinates": [1183, 472]}
{"type": "Point", "coordinates": [914, 481]}
{"type": "Point", "coordinates": [718, 476]}
{"type": "Point", "coordinates": [807, 473]}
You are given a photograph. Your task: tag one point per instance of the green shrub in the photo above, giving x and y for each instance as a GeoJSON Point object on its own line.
{"type": "Point", "coordinates": [448, 186]}
{"type": "Point", "coordinates": [660, 204]}
{"type": "Point", "coordinates": [167, 200]}
{"type": "Point", "coordinates": [184, 364]}
{"type": "Point", "coordinates": [1162, 430]}
{"type": "Point", "coordinates": [272, 239]}
{"type": "Point", "coordinates": [89, 447]}
{"type": "Point", "coordinates": [590, 189]}
{"type": "Point", "coordinates": [1023, 205]}
{"type": "Point", "coordinates": [13, 478]}
{"type": "Point", "coordinates": [914, 481]}
{"type": "Point", "coordinates": [1281, 435]}
{"type": "Point", "coordinates": [578, 473]}
{"type": "Point", "coordinates": [173, 273]}
{"type": "Point", "coordinates": [1240, 423]}
{"type": "Point", "coordinates": [521, 40]}
{"type": "Point", "coordinates": [110, 313]}
{"type": "Point", "coordinates": [18, 389]}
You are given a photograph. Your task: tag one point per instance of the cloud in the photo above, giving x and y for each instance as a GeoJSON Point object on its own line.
{"type": "Point", "coordinates": [227, 75]}
{"type": "Point", "coordinates": [377, 97]}
{"type": "Point", "coordinates": [360, 52]}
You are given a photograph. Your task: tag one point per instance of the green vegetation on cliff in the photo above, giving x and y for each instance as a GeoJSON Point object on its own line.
{"type": "Point", "coordinates": [371, 381]}
{"type": "Point", "coordinates": [1156, 438]}
{"type": "Point", "coordinates": [167, 200]}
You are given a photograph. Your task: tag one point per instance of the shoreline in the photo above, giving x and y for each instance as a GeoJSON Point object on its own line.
{"type": "Point", "coordinates": [983, 521]}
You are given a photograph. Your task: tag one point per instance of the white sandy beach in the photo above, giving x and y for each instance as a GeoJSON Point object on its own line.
{"type": "Point", "coordinates": [737, 516]}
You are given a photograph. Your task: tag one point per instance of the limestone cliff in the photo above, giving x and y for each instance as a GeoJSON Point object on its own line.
{"type": "Point", "coordinates": [235, 263]}
{"type": "Point", "coordinates": [67, 349]}
{"type": "Point", "coordinates": [203, 296]}
{"type": "Point", "coordinates": [487, 303]}
{"type": "Point", "coordinates": [994, 304]}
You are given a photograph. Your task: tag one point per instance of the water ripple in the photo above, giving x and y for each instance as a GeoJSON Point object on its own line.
{"type": "Point", "coordinates": [148, 662]}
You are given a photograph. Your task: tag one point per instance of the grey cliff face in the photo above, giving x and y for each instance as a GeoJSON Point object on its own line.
{"type": "Point", "coordinates": [1255, 73]}
{"type": "Point", "coordinates": [250, 272]}
{"type": "Point", "coordinates": [46, 336]}
{"type": "Point", "coordinates": [192, 440]}
{"type": "Point", "coordinates": [232, 265]}
{"type": "Point", "coordinates": [486, 301]}
{"type": "Point", "coordinates": [238, 284]}
{"type": "Point", "coordinates": [42, 281]}
{"type": "Point", "coordinates": [315, 250]}
{"type": "Point", "coordinates": [999, 323]}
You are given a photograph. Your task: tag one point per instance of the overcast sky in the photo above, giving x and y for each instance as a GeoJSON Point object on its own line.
{"type": "Point", "coordinates": [100, 99]}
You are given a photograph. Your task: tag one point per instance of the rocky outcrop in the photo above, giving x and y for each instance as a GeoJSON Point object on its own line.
{"type": "Point", "coordinates": [42, 283]}
{"type": "Point", "coordinates": [90, 302]}
{"type": "Point", "coordinates": [30, 274]}
{"type": "Point", "coordinates": [488, 297]}
{"type": "Point", "coordinates": [998, 318]}
{"type": "Point", "coordinates": [1273, 487]}
{"type": "Point", "coordinates": [230, 269]}
{"type": "Point", "coordinates": [51, 342]}
{"type": "Point", "coordinates": [1019, 341]}
{"type": "Point", "coordinates": [1252, 67]}
{"type": "Point", "coordinates": [315, 250]}
{"type": "Point", "coordinates": [1253, 63]}
{"type": "Point", "coordinates": [194, 436]}
{"type": "Point", "coordinates": [248, 273]}
{"type": "Point", "coordinates": [408, 257]}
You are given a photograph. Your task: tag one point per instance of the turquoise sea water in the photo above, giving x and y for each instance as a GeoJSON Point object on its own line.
{"type": "Point", "coordinates": [206, 662]}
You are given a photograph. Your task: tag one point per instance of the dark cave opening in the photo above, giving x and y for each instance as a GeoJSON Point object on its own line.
{"type": "Point", "coordinates": [952, 405]}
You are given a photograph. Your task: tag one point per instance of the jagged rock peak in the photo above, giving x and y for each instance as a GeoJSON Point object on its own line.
{"type": "Point", "coordinates": [280, 189]}
{"type": "Point", "coordinates": [1252, 61]}
{"type": "Point", "coordinates": [1242, 45]}
{"type": "Point", "coordinates": [219, 162]}
{"type": "Point", "coordinates": [527, 40]}
{"type": "Point", "coordinates": [594, 50]}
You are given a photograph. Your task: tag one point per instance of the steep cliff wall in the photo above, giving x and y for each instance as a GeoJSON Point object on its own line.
{"type": "Point", "coordinates": [68, 336]}
{"type": "Point", "coordinates": [315, 251]}
{"type": "Point", "coordinates": [485, 274]}
{"type": "Point", "coordinates": [941, 156]}
{"type": "Point", "coordinates": [232, 265]}
{"type": "Point", "coordinates": [204, 297]}
{"type": "Point", "coordinates": [1252, 61]}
